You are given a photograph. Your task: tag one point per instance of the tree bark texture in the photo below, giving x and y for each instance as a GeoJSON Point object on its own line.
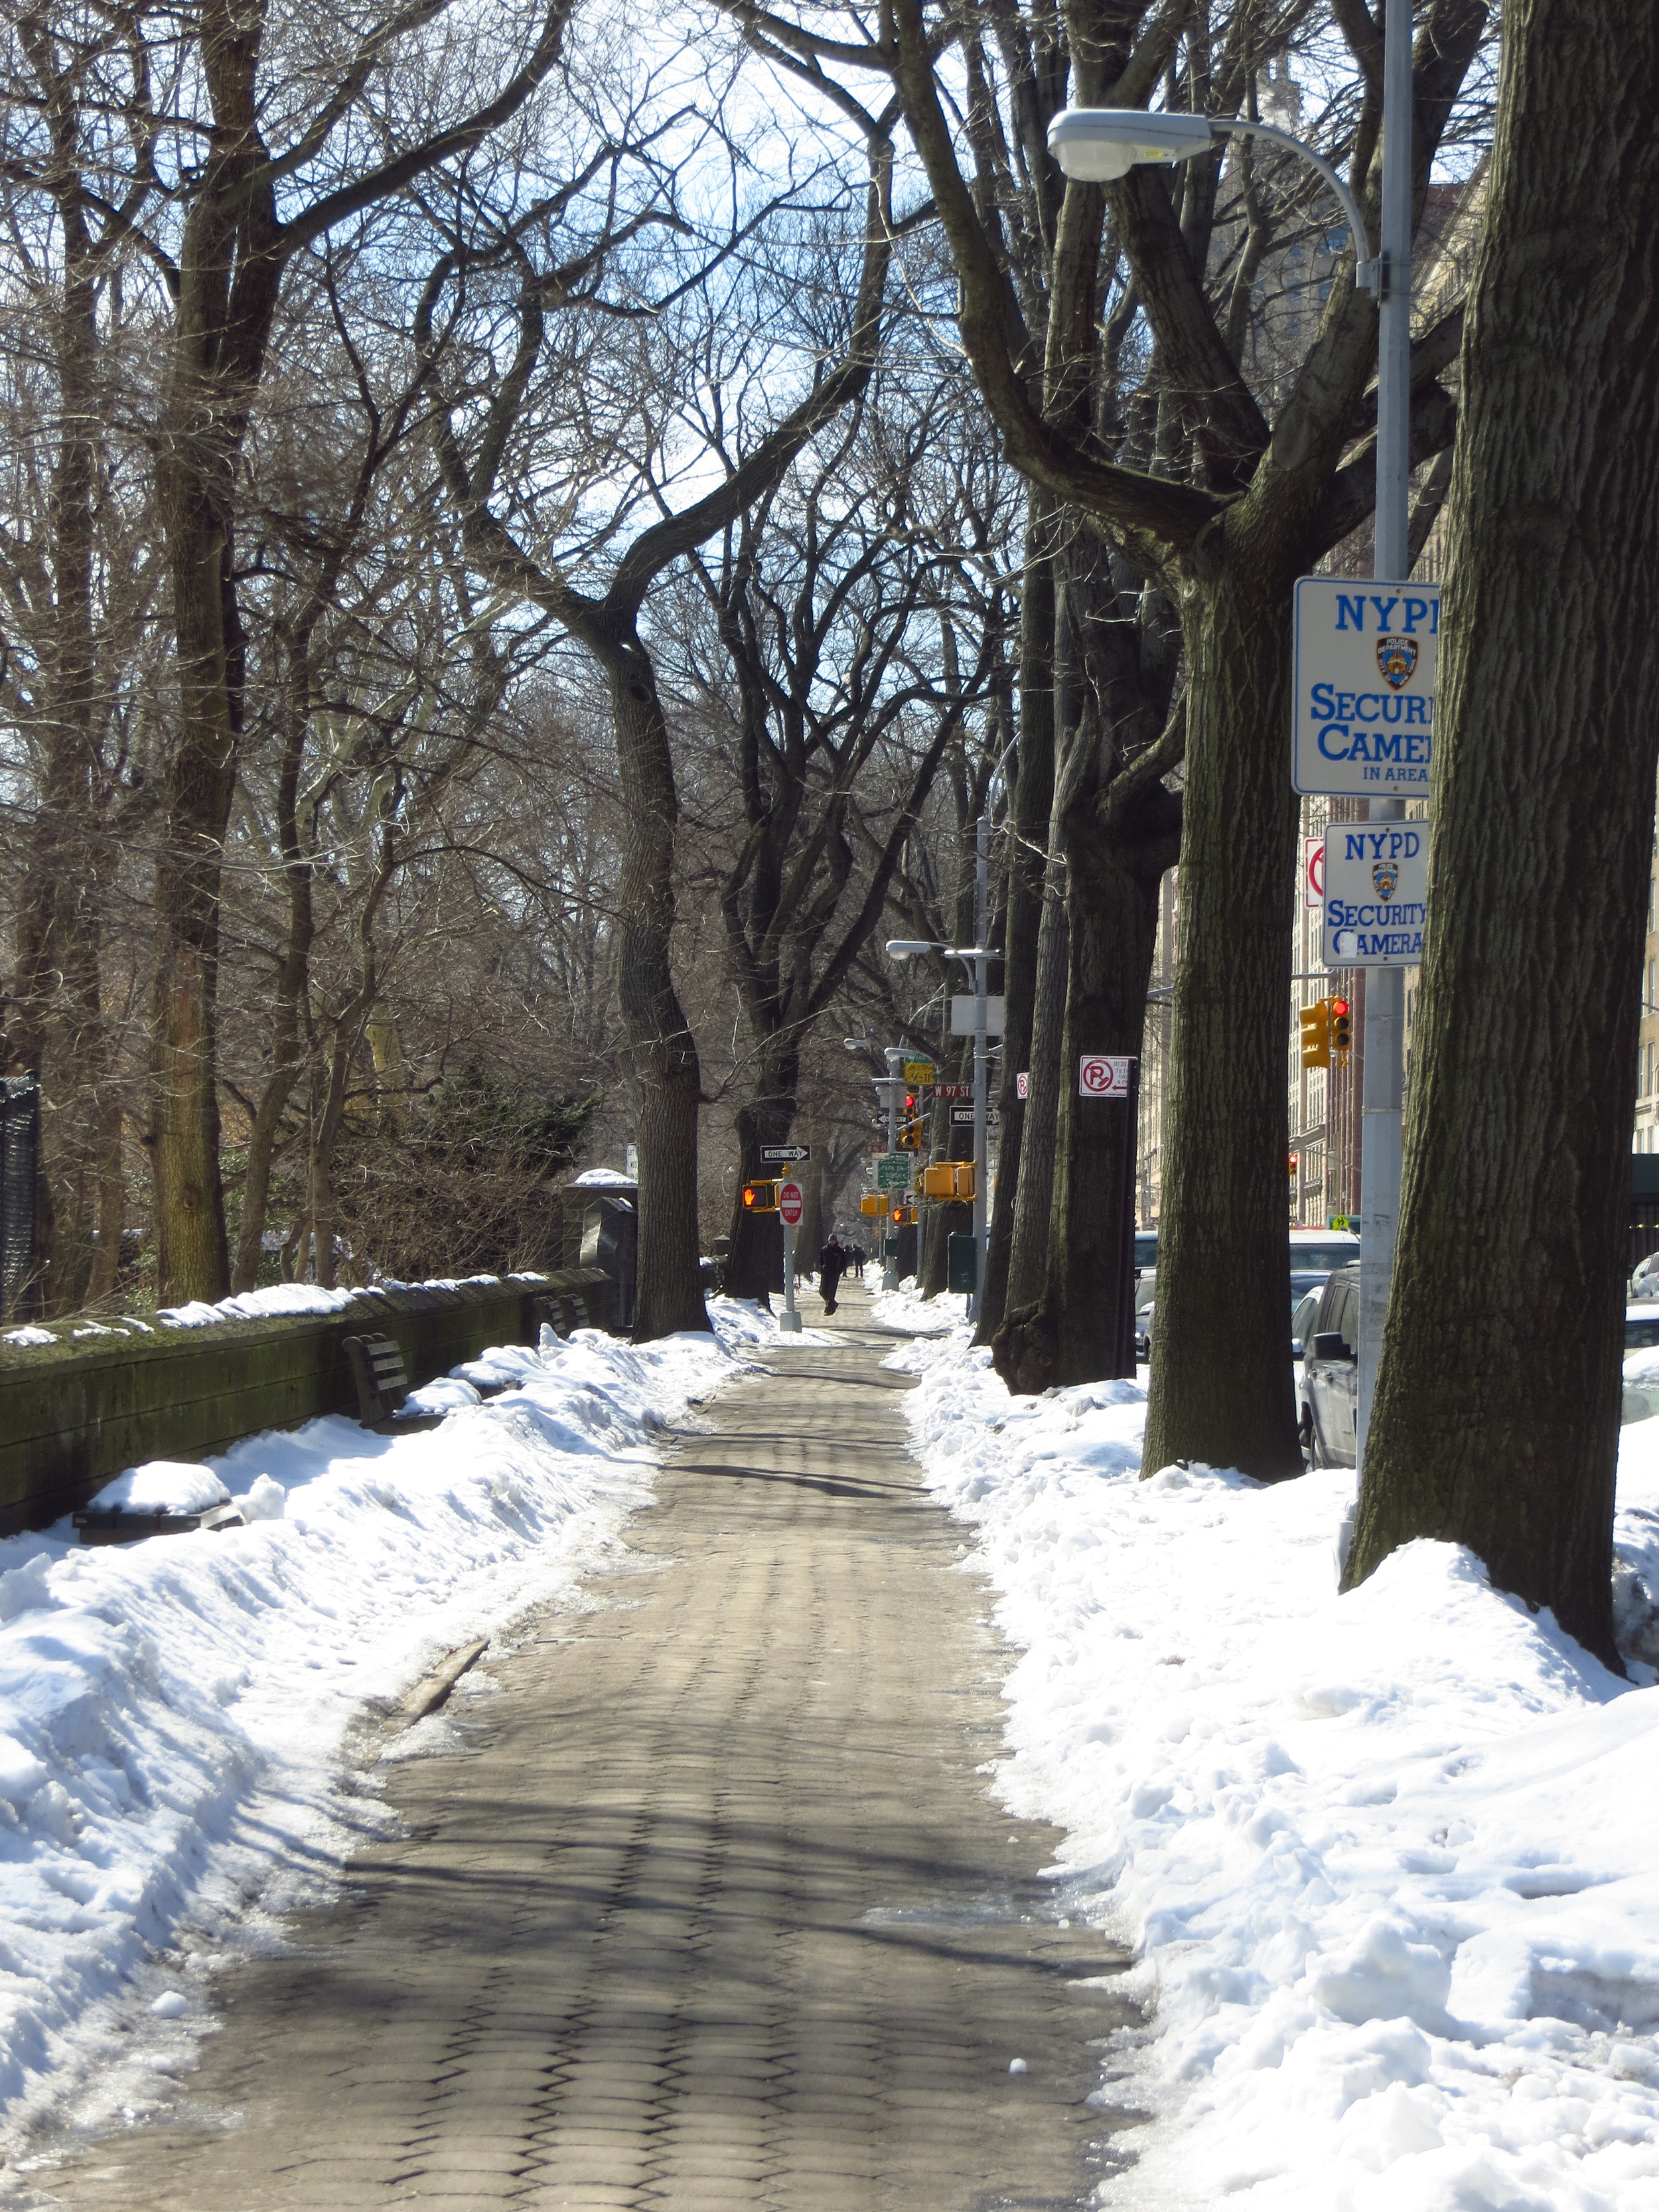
{"type": "Point", "coordinates": [1028, 844]}
{"type": "Point", "coordinates": [1496, 1419]}
{"type": "Point", "coordinates": [1223, 1253]}
{"type": "Point", "coordinates": [1116, 833]}
{"type": "Point", "coordinates": [664, 1050]}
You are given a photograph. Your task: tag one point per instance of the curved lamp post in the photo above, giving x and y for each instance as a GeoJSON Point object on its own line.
{"type": "Point", "coordinates": [1098, 144]}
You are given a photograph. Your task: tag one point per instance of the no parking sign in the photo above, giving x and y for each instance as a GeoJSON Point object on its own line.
{"type": "Point", "coordinates": [1104, 1075]}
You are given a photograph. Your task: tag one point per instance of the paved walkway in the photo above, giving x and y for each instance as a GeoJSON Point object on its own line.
{"type": "Point", "coordinates": [722, 1914]}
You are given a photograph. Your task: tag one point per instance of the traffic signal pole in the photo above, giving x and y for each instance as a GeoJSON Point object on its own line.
{"type": "Point", "coordinates": [1385, 987]}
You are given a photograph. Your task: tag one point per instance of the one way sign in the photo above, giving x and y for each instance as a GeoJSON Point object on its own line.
{"type": "Point", "coordinates": [784, 1156]}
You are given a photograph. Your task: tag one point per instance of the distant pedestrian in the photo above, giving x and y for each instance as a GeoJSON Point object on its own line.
{"type": "Point", "coordinates": [858, 1258]}
{"type": "Point", "coordinates": [832, 1266]}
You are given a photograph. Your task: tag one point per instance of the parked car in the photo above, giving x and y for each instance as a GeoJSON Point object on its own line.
{"type": "Point", "coordinates": [1330, 1373]}
{"type": "Point", "coordinates": [1644, 1283]}
{"type": "Point", "coordinates": [1330, 1369]}
{"type": "Point", "coordinates": [1144, 1333]}
{"type": "Point", "coordinates": [1305, 1311]}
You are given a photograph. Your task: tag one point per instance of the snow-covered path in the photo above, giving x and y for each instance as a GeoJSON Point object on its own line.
{"type": "Point", "coordinates": [182, 1721]}
{"type": "Point", "coordinates": [712, 1905]}
{"type": "Point", "coordinates": [1389, 1863]}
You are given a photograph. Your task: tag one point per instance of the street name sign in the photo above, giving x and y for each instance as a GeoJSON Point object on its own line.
{"type": "Point", "coordinates": [790, 1204]}
{"type": "Point", "coordinates": [1103, 1075]}
{"type": "Point", "coordinates": [784, 1156]}
{"type": "Point", "coordinates": [893, 1171]}
{"type": "Point", "coordinates": [1366, 657]}
{"type": "Point", "coordinates": [1377, 888]}
{"type": "Point", "coordinates": [953, 1091]}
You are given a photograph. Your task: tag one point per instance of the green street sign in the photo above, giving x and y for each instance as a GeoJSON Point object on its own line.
{"type": "Point", "coordinates": [893, 1171]}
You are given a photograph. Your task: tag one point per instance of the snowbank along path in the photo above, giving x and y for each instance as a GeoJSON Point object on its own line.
{"type": "Point", "coordinates": [709, 1903]}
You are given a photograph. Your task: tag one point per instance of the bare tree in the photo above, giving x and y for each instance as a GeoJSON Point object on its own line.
{"type": "Point", "coordinates": [603, 614]}
{"type": "Point", "coordinates": [1496, 1421]}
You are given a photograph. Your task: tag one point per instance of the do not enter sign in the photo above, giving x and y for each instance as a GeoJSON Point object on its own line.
{"type": "Point", "coordinates": [791, 1205]}
{"type": "Point", "coordinates": [1103, 1075]}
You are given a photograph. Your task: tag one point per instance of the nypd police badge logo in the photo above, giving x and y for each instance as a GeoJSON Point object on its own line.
{"type": "Point", "coordinates": [1385, 876]}
{"type": "Point", "coordinates": [1396, 660]}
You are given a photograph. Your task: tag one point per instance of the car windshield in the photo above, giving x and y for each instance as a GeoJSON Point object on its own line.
{"type": "Point", "coordinates": [1322, 1257]}
{"type": "Point", "coordinates": [1145, 1247]}
{"type": "Point", "coordinates": [1641, 1335]}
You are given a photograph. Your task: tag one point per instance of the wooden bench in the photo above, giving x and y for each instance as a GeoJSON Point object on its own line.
{"type": "Point", "coordinates": [382, 1380]}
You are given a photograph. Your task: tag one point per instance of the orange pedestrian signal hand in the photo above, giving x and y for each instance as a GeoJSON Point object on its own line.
{"type": "Point", "coordinates": [760, 1198]}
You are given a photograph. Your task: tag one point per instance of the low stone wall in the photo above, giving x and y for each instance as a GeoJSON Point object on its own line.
{"type": "Point", "coordinates": [73, 1414]}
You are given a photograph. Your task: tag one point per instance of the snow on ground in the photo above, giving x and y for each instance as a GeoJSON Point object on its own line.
{"type": "Point", "coordinates": [904, 1309]}
{"type": "Point", "coordinates": [183, 1721]}
{"type": "Point", "coordinates": [1389, 1863]}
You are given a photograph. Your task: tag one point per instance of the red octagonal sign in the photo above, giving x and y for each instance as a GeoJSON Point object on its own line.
{"type": "Point", "coordinates": [790, 1204]}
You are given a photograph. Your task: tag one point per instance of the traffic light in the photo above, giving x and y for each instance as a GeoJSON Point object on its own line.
{"type": "Point", "coordinates": [1315, 1023]}
{"type": "Point", "coordinates": [1342, 1028]}
{"type": "Point", "coordinates": [760, 1198]}
{"type": "Point", "coordinates": [913, 1128]}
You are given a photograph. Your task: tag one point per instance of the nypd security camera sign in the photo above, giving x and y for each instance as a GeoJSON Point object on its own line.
{"type": "Point", "coordinates": [1377, 888]}
{"type": "Point", "coordinates": [1366, 657]}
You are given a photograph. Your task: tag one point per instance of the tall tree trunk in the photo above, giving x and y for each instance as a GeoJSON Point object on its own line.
{"type": "Point", "coordinates": [755, 1269]}
{"type": "Point", "coordinates": [1028, 844]}
{"type": "Point", "coordinates": [1034, 1196]}
{"type": "Point", "coordinates": [56, 1030]}
{"type": "Point", "coordinates": [1496, 1419]}
{"type": "Point", "coordinates": [1223, 1221]}
{"type": "Point", "coordinates": [288, 1052]}
{"type": "Point", "coordinates": [664, 1050]}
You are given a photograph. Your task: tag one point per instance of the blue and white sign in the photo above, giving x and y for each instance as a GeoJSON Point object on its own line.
{"type": "Point", "coordinates": [1377, 888]}
{"type": "Point", "coordinates": [1366, 657]}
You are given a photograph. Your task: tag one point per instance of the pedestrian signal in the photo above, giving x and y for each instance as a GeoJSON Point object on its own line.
{"type": "Point", "coordinates": [1315, 1026]}
{"type": "Point", "coordinates": [940, 1181]}
{"type": "Point", "coordinates": [760, 1198]}
{"type": "Point", "coordinates": [1342, 1028]}
{"type": "Point", "coordinates": [873, 1202]}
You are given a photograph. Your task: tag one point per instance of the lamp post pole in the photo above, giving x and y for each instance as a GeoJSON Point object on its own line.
{"type": "Point", "coordinates": [1382, 1082]}
{"type": "Point", "coordinates": [982, 1057]}
{"type": "Point", "coordinates": [889, 1265]}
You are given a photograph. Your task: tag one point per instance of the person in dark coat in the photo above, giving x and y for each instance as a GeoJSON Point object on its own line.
{"type": "Point", "coordinates": [832, 1266]}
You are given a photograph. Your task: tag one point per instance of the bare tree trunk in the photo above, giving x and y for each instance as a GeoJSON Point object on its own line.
{"type": "Point", "coordinates": [1028, 844]}
{"type": "Point", "coordinates": [1034, 1197]}
{"type": "Point", "coordinates": [1223, 1184]}
{"type": "Point", "coordinates": [56, 1030]}
{"type": "Point", "coordinates": [664, 1050]}
{"type": "Point", "coordinates": [288, 1054]}
{"type": "Point", "coordinates": [1496, 1419]}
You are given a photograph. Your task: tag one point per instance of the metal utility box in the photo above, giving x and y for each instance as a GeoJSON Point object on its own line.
{"type": "Point", "coordinates": [961, 1268]}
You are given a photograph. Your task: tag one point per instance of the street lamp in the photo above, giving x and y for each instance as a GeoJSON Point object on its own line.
{"type": "Point", "coordinates": [1098, 144]}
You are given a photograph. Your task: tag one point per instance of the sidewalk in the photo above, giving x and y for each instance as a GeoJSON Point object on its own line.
{"type": "Point", "coordinates": [719, 1913]}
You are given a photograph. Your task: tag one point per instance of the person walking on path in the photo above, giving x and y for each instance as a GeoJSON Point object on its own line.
{"type": "Point", "coordinates": [832, 1266]}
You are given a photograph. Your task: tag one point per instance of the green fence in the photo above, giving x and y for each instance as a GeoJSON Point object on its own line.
{"type": "Point", "coordinates": [74, 1414]}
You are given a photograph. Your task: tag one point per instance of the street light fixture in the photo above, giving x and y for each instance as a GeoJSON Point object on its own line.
{"type": "Point", "coordinates": [1096, 145]}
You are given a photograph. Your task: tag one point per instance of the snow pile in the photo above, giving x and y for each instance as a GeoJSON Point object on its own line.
{"type": "Point", "coordinates": [1388, 1861]}
{"type": "Point", "coordinates": [917, 1316]}
{"type": "Point", "coordinates": [161, 1485]}
{"type": "Point", "coordinates": [175, 1714]}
